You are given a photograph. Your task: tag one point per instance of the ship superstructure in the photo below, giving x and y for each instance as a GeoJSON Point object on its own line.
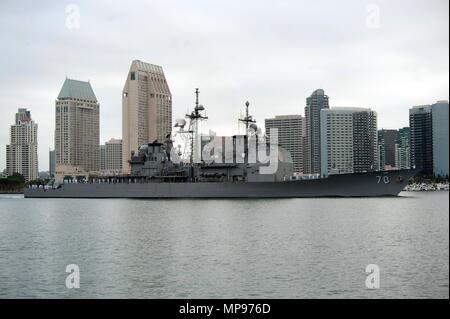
{"type": "Point", "coordinates": [239, 166]}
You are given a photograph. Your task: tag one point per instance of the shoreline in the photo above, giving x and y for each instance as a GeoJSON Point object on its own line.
{"type": "Point", "coordinates": [11, 192]}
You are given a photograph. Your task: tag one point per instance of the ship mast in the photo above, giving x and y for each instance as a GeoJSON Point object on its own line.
{"type": "Point", "coordinates": [194, 118]}
{"type": "Point", "coordinates": [248, 118]}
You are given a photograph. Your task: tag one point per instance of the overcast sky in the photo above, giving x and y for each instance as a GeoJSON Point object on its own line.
{"type": "Point", "coordinates": [386, 55]}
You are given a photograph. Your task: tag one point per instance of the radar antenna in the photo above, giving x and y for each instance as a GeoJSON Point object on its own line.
{"type": "Point", "coordinates": [194, 118]}
{"type": "Point", "coordinates": [248, 118]}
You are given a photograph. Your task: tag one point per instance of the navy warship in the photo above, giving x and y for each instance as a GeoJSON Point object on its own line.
{"type": "Point", "coordinates": [240, 166]}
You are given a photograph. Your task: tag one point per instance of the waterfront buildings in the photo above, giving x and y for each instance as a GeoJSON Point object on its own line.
{"type": "Point", "coordinates": [403, 149]}
{"type": "Point", "coordinates": [291, 134]}
{"type": "Point", "coordinates": [113, 155]}
{"type": "Point", "coordinates": [420, 123]}
{"type": "Point", "coordinates": [314, 104]}
{"type": "Point", "coordinates": [146, 108]}
{"type": "Point", "coordinates": [77, 126]}
{"type": "Point", "coordinates": [348, 140]}
{"type": "Point", "coordinates": [439, 114]}
{"type": "Point", "coordinates": [387, 139]}
{"type": "Point", "coordinates": [21, 153]}
{"type": "Point", "coordinates": [429, 138]}
{"type": "Point", "coordinates": [365, 149]}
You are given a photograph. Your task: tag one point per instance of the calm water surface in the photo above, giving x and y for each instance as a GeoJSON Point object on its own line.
{"type": "Point", "coordinates": [286, 248]}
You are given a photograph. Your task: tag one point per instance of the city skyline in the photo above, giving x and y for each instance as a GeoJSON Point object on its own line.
{"type": "Point", "coordinates": [250, 55]}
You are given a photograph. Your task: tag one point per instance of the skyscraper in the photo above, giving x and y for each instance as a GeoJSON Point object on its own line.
{"type": "Point", "coordinates": [77, 126]}
{"type": "Point", "coordinates": [21, 153]}
{"type": "Point", "coordinates": [348, 140]}
{"type": "Point", "coordinates": [439, 112]}
{"type": "Point", "coordinates": [429, 138]}
{"type": "Point", "coordinates": [365, 141]}
{"type": "Point", "coordinates": [146, 108]}
{"type": "Point", "coordinates": [420, 123]}
{"type": "Point", "coordinates": [290, 136]}
{"type": "Point", "coordinates": [403, 149]}
{"type": "Point", "coordinates": [337, 141]}
{"type": "Point", "coordinates": [387, 140]}
{"type": "Point", "coordinates": [314, 104]}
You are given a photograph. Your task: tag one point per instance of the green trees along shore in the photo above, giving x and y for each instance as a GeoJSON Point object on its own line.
{"type": "Point", "coordinates": [12, 184]}
{"type": "Point", "coordinates": [16, 183]}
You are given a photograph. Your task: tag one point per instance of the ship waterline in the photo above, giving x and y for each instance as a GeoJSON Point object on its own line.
{"type": "Point", "coordinates": [371, 184]}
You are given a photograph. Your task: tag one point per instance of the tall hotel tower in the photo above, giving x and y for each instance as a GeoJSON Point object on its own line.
{"type": "Point", "coordinates": [146, 108]}
{"type": "Point", "coordinates": [314, 104]}
{"type": "Point", "coordinates": [21, 153]}
{"type": "Point", "coordinates": [77, 126]}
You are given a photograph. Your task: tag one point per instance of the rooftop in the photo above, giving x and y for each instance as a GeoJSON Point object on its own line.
{"type": "Point", "coordinates": [147, 67]}
{"type": "Point", "coordinates": [346, 109]}
{"type": "Point", "coordinates": [114, 141]}
{"type": "Point", "coordinates": [286, 117]}
{"type": "Point", "coordinates": [74, 89]}
{"type": "Point", "coordinates": [420, 109]}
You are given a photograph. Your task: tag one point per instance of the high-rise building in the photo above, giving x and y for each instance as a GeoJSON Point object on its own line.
{"type": "Point", "coordinates": [403, 149]}
{"type": "Point", "coordinates": [365, 141]}
{"type": "Point", "coordinates": [314, 104]}
{"type": "Point", "coordinates": [21, 153]}
{"type": "Point", "coordinates": [291, 131]}
{"type": "Point", "coordinates": [337, 140]}
{"type": "Point", "coordinates": [77, 126]}
{"type": "Point", "coordinates": [111, 156]}
{"type": "Point", "coordinates": [52, 162]}
{"type": "Point", "coordinates": [420, 123]}
{"type": "Point", "coordinates": [429, 138]}
{"type": "Point", "coordinates": [146, 108]}
{"type": "Point", "coordinates": [348, 140]}
{"type": "Point", "coordinates": [439, 112]}
{"type": "Point", "coordinates": [113, 150]}
{"type": "Point", "coordinates": [102, 157]}
{"type": "Point", "coordinates": [386, 141]}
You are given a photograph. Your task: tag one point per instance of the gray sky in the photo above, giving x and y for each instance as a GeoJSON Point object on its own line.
{"type": "Point", "coordinates": [272, 53]}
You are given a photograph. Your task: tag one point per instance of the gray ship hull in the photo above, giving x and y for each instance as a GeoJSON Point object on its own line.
{"type": "Point", "coordinates": [388, 183]}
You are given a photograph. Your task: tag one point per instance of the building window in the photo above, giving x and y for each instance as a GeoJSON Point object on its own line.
{"type": "Point", "coordinates": [132, 76]}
